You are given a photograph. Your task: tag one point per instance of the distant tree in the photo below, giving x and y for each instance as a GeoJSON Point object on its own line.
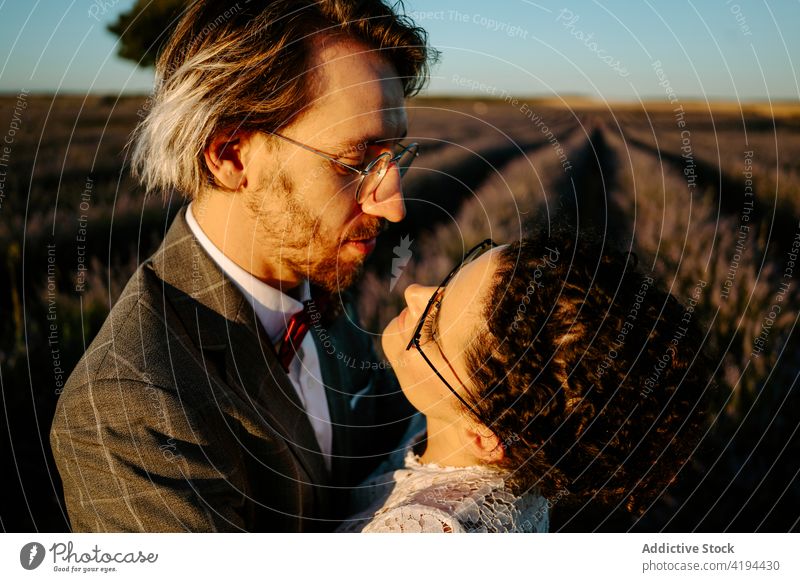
{"type": "Point", "coordinates": [145, 28]}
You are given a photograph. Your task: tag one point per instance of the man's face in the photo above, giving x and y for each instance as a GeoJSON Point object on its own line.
{"type": "Point", "coordinates": [305, 205]}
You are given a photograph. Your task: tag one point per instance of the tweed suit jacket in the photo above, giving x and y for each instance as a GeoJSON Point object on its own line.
{"type": "Point", "coordinates": [179, 416]}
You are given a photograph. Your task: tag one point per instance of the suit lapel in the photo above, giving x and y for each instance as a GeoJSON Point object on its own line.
{"type": "Point", "coordinates": [338, 405]}
{"type": "Point", "coordinates": [222, 323]}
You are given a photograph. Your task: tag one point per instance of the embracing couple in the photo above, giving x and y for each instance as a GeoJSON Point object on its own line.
{"type": "Point", "coordinates": [208, 401]}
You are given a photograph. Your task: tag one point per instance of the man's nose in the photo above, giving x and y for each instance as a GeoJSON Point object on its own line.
{"type": "Point", "coordinates": [387, 201]}
{"type": "Point", "coordinates": [417, 297]}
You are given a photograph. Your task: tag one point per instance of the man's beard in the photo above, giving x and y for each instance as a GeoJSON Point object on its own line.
{"type": "Point", "coordinates": [305, 246]}
{"type": "Point", "coordinates": [329, 271]}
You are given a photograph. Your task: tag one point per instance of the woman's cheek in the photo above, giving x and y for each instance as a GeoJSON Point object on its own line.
{"type": "Point", "coordinates": [389, 341]}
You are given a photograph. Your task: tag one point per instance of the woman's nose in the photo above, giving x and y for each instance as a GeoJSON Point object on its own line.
{"type": "Point", "coordinates": [417, 297]}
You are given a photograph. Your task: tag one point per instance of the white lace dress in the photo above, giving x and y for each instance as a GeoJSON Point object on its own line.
{"type": "Point", "coordinates": [420, 497]}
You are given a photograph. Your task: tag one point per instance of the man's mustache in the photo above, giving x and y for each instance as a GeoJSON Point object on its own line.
{"type": "Point", "coordinates": [367, 231]}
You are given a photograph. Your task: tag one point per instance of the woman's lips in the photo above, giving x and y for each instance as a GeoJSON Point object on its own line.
{"type": "Point", "coordinates": [400, 330]}
{"type": "Point", "coordinates": [401, 319]}
{"type": "Point", "coordinates": [406, 329]}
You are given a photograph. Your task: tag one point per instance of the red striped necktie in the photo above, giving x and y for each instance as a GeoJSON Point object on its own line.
{"type": "Point", "coordinates": [293, 336]}
{"type": "Point", "coordinates": [318, 309]}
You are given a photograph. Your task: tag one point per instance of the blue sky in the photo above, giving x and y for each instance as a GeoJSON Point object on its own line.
{"type": "Point", "coordinates": [716, 49]}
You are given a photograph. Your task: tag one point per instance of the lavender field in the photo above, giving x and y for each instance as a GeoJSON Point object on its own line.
{"type": "Point", "coordinates": [707, 196]}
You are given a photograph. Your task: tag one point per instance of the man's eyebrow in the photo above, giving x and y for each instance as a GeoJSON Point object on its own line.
{"type": "Point", "coordinates": [363, 142]}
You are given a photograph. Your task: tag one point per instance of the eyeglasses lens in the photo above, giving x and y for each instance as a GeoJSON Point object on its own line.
{"type": "Point", "coordinates": [370, 184]}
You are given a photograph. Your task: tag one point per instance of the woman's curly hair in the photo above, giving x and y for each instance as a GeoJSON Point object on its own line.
{"type": "Point", "coordinates": [592, 376]}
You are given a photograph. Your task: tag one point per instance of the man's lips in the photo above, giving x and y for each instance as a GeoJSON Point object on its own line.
{"type": "Point", "coordinates": [365, 232]}
{"type": "Point", "coordinates": [363, 246]}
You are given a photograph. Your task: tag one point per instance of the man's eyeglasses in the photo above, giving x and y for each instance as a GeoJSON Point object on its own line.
{"type": "Point", "coordinates": [373, 173]}
{"type": "Point", "coordinates": [425, 332]}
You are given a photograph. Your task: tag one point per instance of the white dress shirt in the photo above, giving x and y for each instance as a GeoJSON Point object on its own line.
{"type": "Point", "coordinates": [273, 309]}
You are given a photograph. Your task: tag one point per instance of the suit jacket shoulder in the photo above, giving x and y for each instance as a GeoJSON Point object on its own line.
{"type": "Point", "coordinates": [178, 418]}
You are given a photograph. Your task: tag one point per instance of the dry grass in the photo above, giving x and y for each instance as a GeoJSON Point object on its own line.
{"type": "Point", "coordinates": [506, 178]}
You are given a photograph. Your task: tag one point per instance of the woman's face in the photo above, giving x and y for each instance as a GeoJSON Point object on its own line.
{"type": "Point", "coordinates": [447, 334]}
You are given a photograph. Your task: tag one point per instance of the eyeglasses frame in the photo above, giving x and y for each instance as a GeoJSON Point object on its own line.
{"type": "Point", "coordinates": [393, 159]}
{"type": "Point", "coordinates": [470, 256]}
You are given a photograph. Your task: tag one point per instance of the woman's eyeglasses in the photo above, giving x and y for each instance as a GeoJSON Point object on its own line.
{"type": "Point", "coordinates": [373, 173]}
{"type": "Point", "coordinates": [425, 331]}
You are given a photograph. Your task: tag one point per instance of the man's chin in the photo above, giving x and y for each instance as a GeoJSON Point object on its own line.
{"type": "Point", "coordinates": [343, 275]}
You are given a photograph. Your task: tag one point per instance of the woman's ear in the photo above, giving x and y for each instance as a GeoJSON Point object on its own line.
{"type": "Point", "coordinates": [225, 159]}
{"type": "Point", "coordinates": [485, 445]}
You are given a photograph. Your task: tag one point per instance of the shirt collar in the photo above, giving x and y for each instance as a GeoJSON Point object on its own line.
{"type": "Point", "coordinates": [272, 307]}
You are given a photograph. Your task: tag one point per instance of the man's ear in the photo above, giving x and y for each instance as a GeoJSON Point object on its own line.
{"type": "Point", "coordinates": [225, 159]}
{"type": "Point", "coordinates": [485, 444]}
